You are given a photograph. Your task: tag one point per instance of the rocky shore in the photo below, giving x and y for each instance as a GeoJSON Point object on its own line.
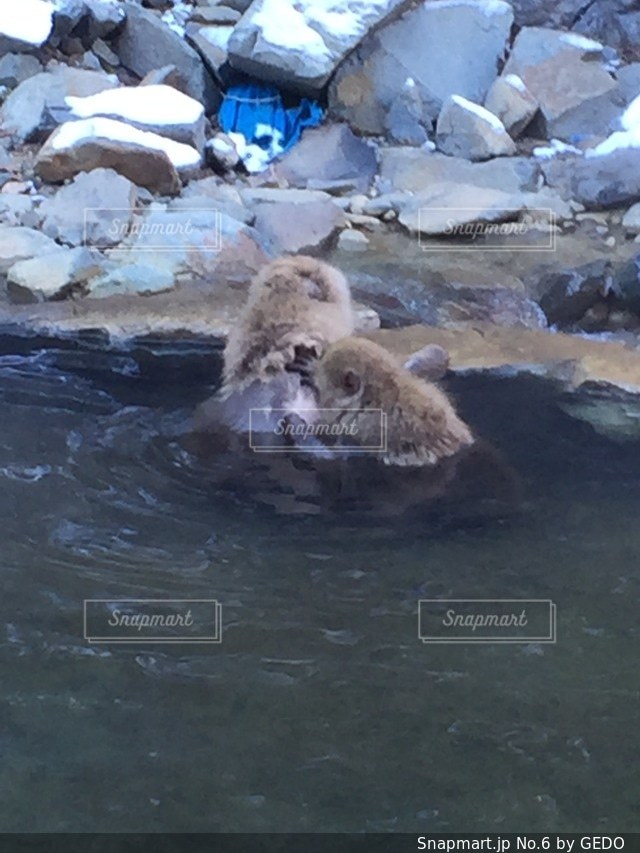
{"type": "Point", "coordinates": [477, 175]}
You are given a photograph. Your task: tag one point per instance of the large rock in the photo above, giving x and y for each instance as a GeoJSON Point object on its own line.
{"type": "Point", "coordinates": [159, 109]}
{"type": "Point", "coordinates": [53, 276]}
{"type": "Point", "coordinates": [92, 210]}
{"type": "Point", "coordinates": [300, 45]}
{"type": "Point", "coordinates": [414, 170]}
{"type": "Point", "coordinates": [610, 180]}
{"type": "Point", "coordinates": [26, 114]}
{"type": "Point", "coordinates": [326, 154]}
{"type": "Point", "coordinates": [470, 131]}
{"type": "Point", "coordinates": [147, 43]}
{"type": "Point", "coordinates": [417, 50]}
{"type": "Point", "coordinates": [17, 244]}
{"type": "Point", "coordinates": [511, 101]}
{"type": "Point", "coordinates": [298, 226]}
{"type": "Point", "coordinates": [149, 160]}
{"type": "Point", "coordinates": [212, 43]}
{"type": "Point", "coordinates": [126, 279]}
{"type": "Point", "coordinates": [565, 295]}
{"type": "Point", "coordinates": [564, 72]}
{"type": "Point", "coordinates": [15, 68]}
{"type": "Point", "coordinates": [25, 25]}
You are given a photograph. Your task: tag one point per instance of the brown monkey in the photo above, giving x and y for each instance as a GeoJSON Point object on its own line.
{"type": "Point", "coordinates": [383, 408]}
{"type": "Point", "coordinates": [296, 307]}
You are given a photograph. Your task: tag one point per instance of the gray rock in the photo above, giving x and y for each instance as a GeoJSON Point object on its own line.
{"type": "Point", "coordinates": [17, 244]}
{"type": "Point", "coordinates": [217, 14]}
{"type": "Point", "coordinates": [66, 17]}
{"type": "Point", "coordinates": [212, 194]}
{"type": "Point", "coordinates": [175, 115]}
{"type": "Point", "coordinates": [92, 210]}
{"type": "Point", "coordinates": [470, 131]}
{"type": "Point", "coordinates": [564, 72]}
{"type": "Point", "coordinates": [262, 41]}
{"type": "Point", "coordinates": [626, 284]}
{"type": "Point", "coordinates": [104, 54]}
{"type": "Point", "coordinates": [85, 145]}
{"type": "Point", "coordinates": [351, 240]}
{"type": "Point", "coordinates": [610, 180]}
{"type": "Point", "coordinates": [105, 18]}
{"type": "Point", "coordinates": [614, 22]}
{"type": "Point", "coordinates": [329, 153]}
{"type": "Point", "coordinates": [417, 50]}
{"type": "Point", "coordinates": [565, 295]}
{"type": "Point", "coordinates": [628, 78]}
{"type": "Point", "coordinates": [17, 210]}
{"type": "Point", "coordinates": [407, 122]}
{"type": "Point", "coordinates": [631, 219]}
{"type": "Point", "coordinates": [415, 170]}
{"type": "Point", "coordinates": [298, 227]}
{"type": "Point", "coordinates": [146, 43]}
{"type": "Point", "coordinates": [15, 68]}
{"type": "Point", "coordinates": [26, 116]}
{"type": "Point", "coordinates": [211, 43]}
{"type": "Point", "coordinates": [13, 34]}
{"type": "Point", "coordinates": [53, 276]}
{"type": "Point", "coordinates": [132, 278]}
{"type": "Point", "coordinates": [222, 153]}
{"type": "Point", "coordinates": [511, 101]}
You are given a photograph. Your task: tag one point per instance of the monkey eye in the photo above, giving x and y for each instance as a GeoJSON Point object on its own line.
{"type": "Point", "coordinates": [351, 382]}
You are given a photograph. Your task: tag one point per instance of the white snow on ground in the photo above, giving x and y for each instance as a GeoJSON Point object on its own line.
{"type": "Point", "coordinates": [627, 138]}
{"type": "Point", "coordinates": [29, 21]}
{"type": "Point", "coordinates": [255, 158]}
{"type": "Point", "coordinates": [516, 82]}
{"type": "Point", "coordinates": [581, 42]}
{"type": "Point", "coordinates": [285, 26]}
{"type": "Point", "coordinates": [156, 105]}
{"type": "Point", "coordinates": [217, 36]}
{"type": "Point", "coordinates": [481, 112]}
{"type": "Point", "coordinates": [555, 147]}
{"type": "Point", "coordinates": [73, 132]}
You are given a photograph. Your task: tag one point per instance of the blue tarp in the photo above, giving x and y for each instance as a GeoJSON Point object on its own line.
{"type": "Point", "coordinates": [257, 112]}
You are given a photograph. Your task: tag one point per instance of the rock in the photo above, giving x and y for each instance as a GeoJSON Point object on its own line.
{"type": "Point", "coordinates": [141, 279]}
{"type": "Point", "coordinates": [417, 49]}
{"type": "Point", "coordinates": [222, 153]}
{"type": "Point", "coordinates": [301, 46]}
{"type": "Point", "coordinates": [351, 240]}
{"type": "Point", "coordinates": [415, 170]}
{"type": "Point", "coordinates": [66, 17]}
{"type": "Point", "coordinates": [17, 244]}
{"type": "Point", "coordinates": [565, 295]}
{"type": "Point", "coordinates": [565, 74]}
{"type": "Point", "coordinates": [220, 15]}
{"type": "Point", "coordinates": [25, 115]}
{"type": "Point", "coordinates": [211, 43]}
{"type": "Point", "coordinates": [25, 26]}
{"type": "Point", "coordinates": [626, 284]}
{"type": "Point", "coordinates": [298, 227]}
{"type": "Point", "coordinates": [17, 210]}
{"type": "Point", "coordinates": [53, 276]}
{"type": "Point", "coordinates": [210, 194]}
{"type": "Point", "coordinates": [15, 68]}
{"type": "Point", "coordinates": [610, 180]}
{"type": "Point", "coordinates": [146, 43]}
{"type": "Point", "coordinates": [631, 219]}
{"type": "Point", "coordinates": [329, 153]}
{"type": "Point", "coordinates": [511, 101]}
{"type": "Point", "coordinates": [92, 210]}
{"type": "Point", "coordinates": [470, 131]}
{"type": "Point", "coordinates": [615, 22]}
{"type": "Point", "coordinates": [159, 109]}
{"type": "Point", "coordinates": [147, 159]}
{"type": "Point", "coordinates": [105, 19]}
{"type": "Point", "coordinates": [191, 243]}
{"type": "Point", "coordinates": [104, 54]}
{"type": "Point", "coordinates": [407, 122]}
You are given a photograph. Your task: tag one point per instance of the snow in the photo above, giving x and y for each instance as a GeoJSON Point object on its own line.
{"type": "Point", "coordinates": [155, 105]}
{"type": "Point", "coordinates": [554, 148]}
{"type": "Point", "coordinates": [74, 132]}
{"type": "Point", "coordinates": [29, 21]}
{"type": "Point", "coordinates": [255, 158]}
{"type": "Point", "coordinates": [177, 17]}
{"type": "Point", "coordinates": [631, 117]}
{"type": "Point", "coordinates": [217, 36]}
{"type": "Point", "coordinates": [516, 82]}
{"type": "Point", "coordinates": [481, 112]}
{"type": "Point", "coordinates": [285, 26]}
{"type": "Point", "coordinates": [581, 42]}
{"type": "Point", "coordinates": [621, 139]}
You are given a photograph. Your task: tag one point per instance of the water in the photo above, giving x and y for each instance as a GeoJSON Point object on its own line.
{"type": "Point", "coordinates": [321, 710]}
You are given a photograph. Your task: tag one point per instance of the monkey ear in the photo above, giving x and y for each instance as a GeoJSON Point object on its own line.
{"type": "Point", "coordinates": [351, 382]}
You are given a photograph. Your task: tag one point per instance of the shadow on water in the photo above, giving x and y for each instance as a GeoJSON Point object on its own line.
{"type": "Point", "coordinates": [320, 710]}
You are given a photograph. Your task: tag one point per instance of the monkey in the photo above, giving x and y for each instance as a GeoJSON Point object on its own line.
{"type": "Point", "coordinates": [296, 307]}
{"type": "Point", "coordinates": [402, 419]}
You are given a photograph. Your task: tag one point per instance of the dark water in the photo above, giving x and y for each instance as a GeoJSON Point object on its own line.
{"type": "Point", "coordinates": [320, 710]}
